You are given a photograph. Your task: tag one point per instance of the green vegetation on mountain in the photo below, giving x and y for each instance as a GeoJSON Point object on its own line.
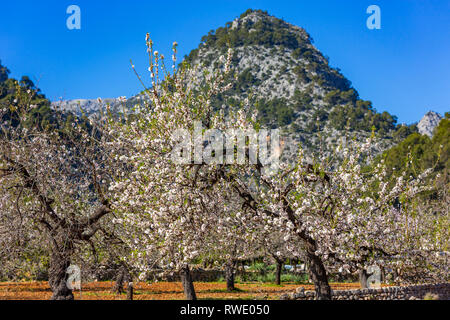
{"type": "Point", "coordinates": [362, 116]}
{"type": "Point", "coordinates": [275, 112]}
{"type": "Point", "coordinates": [262, 32]}
{"type": "Point", "coordinates": [25, 92]}
{"type": "Point", "coordinates": [12, 90]}
{"type": "Point", "coordinates": [419, 152]}
{"type": "Point", "coordinates": [271, 32]}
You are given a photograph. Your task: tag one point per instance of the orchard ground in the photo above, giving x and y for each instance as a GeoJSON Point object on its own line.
{"type": "Point", "coordinates": [159, 290]}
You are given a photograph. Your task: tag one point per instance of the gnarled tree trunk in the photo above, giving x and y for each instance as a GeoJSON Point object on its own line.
{"type": "Point", "coordinates": [318, 275]}
{"type": "Point", "coordinates": [229, 275]}
{"type": "Point", "coordinates": [188, 285]}
{"type": "Point", "coordinates": [59, 262]}
{"type": "Point", "coordinates": [317, 271]}
{"type": "Point", "coordinates": [123, 276]}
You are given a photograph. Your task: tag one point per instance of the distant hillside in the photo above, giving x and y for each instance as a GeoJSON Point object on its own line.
{"type": "Point", "coordinates": [12, 89]}
{"type": "Point", "coordinates": [426, 152]}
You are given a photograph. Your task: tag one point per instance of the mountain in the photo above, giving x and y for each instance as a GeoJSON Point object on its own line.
{"type": "Point", "coordinates": [429, 121]}
{"type": "Point", "coordinates": [290, 82]}
{"type": "Point", "coordinates": [88, 106]}
{"type": "Point", "coordinates": [92, 107]}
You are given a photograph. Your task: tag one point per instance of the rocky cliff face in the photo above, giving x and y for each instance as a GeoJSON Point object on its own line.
{"type": "Point", "coordinates": [429, 121]}
{"type": "Point", "coordinates": [88, 106]}
{"type": "Point", "coordinates": [92, 107]}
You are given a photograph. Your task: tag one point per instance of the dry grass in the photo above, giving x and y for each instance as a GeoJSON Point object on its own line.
{"type": "Point", "coordinates": [157, 291]}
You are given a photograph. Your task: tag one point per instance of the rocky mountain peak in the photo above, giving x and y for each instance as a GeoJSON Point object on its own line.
{"type": "Point", "coordinates": [429, 121]}
{"type": "Point", "coordinates": [251, 17]}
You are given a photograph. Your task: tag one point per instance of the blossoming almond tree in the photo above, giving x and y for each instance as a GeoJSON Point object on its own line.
{"type": "Point", "coordinates": [53, 177]}
{"type": "Point", "coordinates": [23, 248]}
{"type": "Point", "coordinates": [163, 205]}
{"type": "Point", "coordinates": [336, 213]}
{"type": "Point", "coordinates": [229, 241]}
{"type": "Point", "coordinates": [340, 216]}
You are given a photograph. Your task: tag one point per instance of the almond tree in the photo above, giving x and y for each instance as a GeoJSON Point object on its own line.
{"type": "Point", "coordinates": [343, 216]}
{"type": "Point", "coordinates": [229, 241]}
{"type": "Point", "coordinates": [23, 248]}
{"type": "Point", "coordinates": [163, 205]}
{"type": "Point", "coordinates": [54, 178]}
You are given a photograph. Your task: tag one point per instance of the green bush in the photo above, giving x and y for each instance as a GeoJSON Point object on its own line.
{"type": "Point", "coordinates": [275, 112]}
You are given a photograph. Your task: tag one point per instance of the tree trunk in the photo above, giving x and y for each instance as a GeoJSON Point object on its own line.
{"type": "Point", "coordinates": [278, 272]}
{"type": "Point", "coordinates": [294, 265]}
{"type": "Point", "coordinates": [122, 276]}
{"type": "Point", "coordinates": [395, 275]}
{"type": "Point", "coordinates": [59, 262]}
{"type": "Point", "coordinates": [188, 285]}
{"type": "Point", "coordinates": [130, 291]}
{"type": "Point", "coordinates": [317, 271]}
{"type": "Point", "coordinates": [318, 275]}
{"type": "Point", "coordinates": [383, 274]}
{"type": "Point", "coordinates": [363, 276]}
{"type": "Point", "coordinates": [229, 275]}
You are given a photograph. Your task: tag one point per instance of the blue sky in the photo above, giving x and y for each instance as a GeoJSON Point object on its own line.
{"type": "Point", "coordinates": [403, 68]}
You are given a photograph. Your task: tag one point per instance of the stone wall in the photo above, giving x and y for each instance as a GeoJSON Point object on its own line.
{"type": "Point", "coordinates": [439, 291]}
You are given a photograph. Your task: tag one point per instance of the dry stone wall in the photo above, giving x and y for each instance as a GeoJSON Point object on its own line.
{"type": "Point", "coordinates": [439, 291]}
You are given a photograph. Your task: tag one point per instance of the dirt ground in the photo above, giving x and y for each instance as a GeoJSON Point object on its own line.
{"type": "Point", "coordinates": [158, 291]}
